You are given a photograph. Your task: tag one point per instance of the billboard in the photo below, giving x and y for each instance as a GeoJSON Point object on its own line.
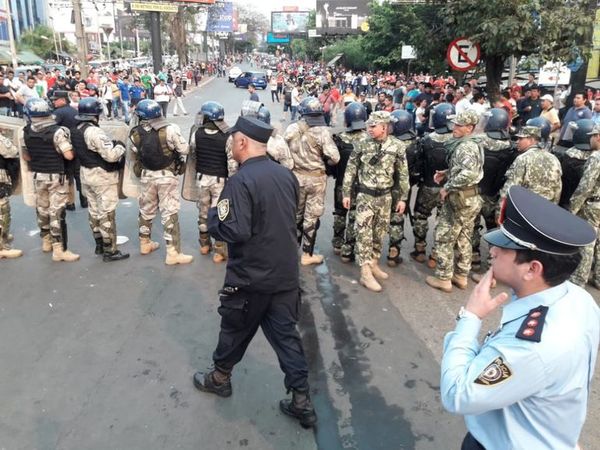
{"type": "Point", "coordinates": [220, 18]}
{"type": "Point", "coordinates": [278, 38]}
{"type": "Point", "coordinates": [341, 16]}
{"type": "Point", "coordinates": [289, 21]}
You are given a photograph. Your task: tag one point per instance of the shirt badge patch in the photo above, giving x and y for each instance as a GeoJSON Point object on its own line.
{"type": "Point", "coordinates": [223, 209]}
{"type": "Point", "coordinates": [496, 372]}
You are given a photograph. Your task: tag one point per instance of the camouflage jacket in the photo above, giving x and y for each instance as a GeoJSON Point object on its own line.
{"type": "Point", "coordinates": [537, 170]}
{"type": "Point", "coordinates": [8, 150]}
{"type": "Point", "coordinates": [585, 201]}
{"type": "Point", "coordinates": [377, 165]}
{"type": "Point", "coordinates": [465, 163]}
{"type": "Point", "coordinates": [278, 149]}
{"type": "Point", "coordinates": [309, 146]}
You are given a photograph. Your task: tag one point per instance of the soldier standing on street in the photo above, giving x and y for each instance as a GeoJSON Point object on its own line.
{"type": "Point", "coordinates": [9, 172]}
{"type": "Point", "coordinates": [100, 160]}
{"type": "Point", "coordinates": [213, 166]}
{"type": "Point", "coordinates": [499, 155]}
{"type": "Point", "coordinates": [48, 147]}
{"type": "Point", "coordinates": [344, 234]}
{"type": "Point", "coordinates": [378, 167]}
{"type": "Point", "coordinates": [160, 150]}
{"type": "Point", "coordinates": [434, 157]}
{"type": "Point", "coordinates": [585, 202]}
{"type": "Point", "coordinates": [256, 215]}
{"type": "Point", "coordinates": [403, 130]}
{"type": "Point", "coordinates": [310, 143]}
{"type": "Point", "coordinates": [461, 204]}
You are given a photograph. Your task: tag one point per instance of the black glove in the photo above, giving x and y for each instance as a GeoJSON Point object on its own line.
{"type": "Point", "coordinates": [117, 142]}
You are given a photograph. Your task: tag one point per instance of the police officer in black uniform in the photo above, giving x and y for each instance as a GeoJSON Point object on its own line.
{"type": "Point", "coordinates": [64, 115]}
{"type": "Point", "coordinates": [257, 211]}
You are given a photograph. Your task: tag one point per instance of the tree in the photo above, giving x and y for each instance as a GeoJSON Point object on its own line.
{"type": "Point", "coordinates": [40, 41]}
{"type": "Point", "coordinates": [553, 29]}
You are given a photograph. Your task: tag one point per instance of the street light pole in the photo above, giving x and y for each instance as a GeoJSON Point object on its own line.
{"type": "Point", "coordinates": [81, 39]}
{"type": "Point", "coordinates": [11, 36]}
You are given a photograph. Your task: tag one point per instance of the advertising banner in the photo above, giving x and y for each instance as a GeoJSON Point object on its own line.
{"type": "Point", "coordinates": [289, 22]}
{"type": "Point", "coordinates": [220, 18]}
{"type": "Point", "coordinates": [341, 16]}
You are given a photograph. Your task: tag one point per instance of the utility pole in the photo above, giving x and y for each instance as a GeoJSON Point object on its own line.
{"type": "Point", "coordinates": [81, 39]}
{"type": "Point", "coordinates": [156, 40]}
{"type": "Point", "coordinates": [11, 36]}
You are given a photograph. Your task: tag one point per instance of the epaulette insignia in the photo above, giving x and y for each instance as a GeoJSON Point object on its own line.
{"type": "Point", "coordinates": [533, 325]}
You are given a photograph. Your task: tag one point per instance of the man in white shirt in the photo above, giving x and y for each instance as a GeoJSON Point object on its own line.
{"type": "Point", "coordinates": [26, 91]}
{"type": "Point", "coordinates": [462, 103]}
{"type": "Point", "coordinates": [295, 102]}
{"type": "Point", "coordinates": [162, 95]}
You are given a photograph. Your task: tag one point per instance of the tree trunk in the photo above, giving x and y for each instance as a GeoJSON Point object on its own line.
{"type": "Point", "coordinates": [179, 36]}
{"type": "Point", "coordinates": [494, 66]}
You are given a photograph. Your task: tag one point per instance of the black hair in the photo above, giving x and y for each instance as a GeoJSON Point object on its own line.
{"type": "Point", "coordinates": [556, 268]}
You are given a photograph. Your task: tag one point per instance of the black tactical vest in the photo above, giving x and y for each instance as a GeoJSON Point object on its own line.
{"type": "Point", "coordinates": [494, 170]}
{"type": "Point", "coordinates": [152, 149]}
{"type": "Point", "coordinates": [434, 158]}
{"type": "Point", "coordinates": [211, 157]}
{"type": "Point", "coordinates": [88, 158]}
{"type": "Point", "coordinates": [572, 171]}
{"type": "Point", "coordinates": [414, 159]}
{"type": "Point", "coordinates": [40, 146]}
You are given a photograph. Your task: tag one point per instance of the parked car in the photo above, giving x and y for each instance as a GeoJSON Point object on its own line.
{"type": "Point", "coordinates": [259, 79]}
{"type": "Point", "coordinates": [234, 73]}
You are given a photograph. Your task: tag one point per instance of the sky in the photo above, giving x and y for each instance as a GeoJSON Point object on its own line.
{"type": "Point", "coordinates": [266, 6]}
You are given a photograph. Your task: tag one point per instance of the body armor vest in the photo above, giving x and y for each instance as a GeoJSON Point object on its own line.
{"type": "Point", "coordinates": [211, 157]}
{"type": "Point", "coordinates": [87, 157]}
{"type": "Point", "coordinates": [40, 146]}
{"type": "Point", "coordinates": [434, 158]}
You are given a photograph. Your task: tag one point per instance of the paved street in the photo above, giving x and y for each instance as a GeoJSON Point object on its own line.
{"type": "Point", "coordinates": [98, 356]}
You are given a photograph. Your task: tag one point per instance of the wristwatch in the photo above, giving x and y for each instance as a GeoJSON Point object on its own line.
{"type": "Point", "coordinates": [462, 313]}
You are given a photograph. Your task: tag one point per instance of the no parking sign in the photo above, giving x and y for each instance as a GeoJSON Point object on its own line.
{"type": "Point", "coordinates": [463, 55]}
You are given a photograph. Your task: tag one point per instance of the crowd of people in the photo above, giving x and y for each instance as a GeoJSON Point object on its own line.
{"type": "Point", "coordinates": [410, 146]}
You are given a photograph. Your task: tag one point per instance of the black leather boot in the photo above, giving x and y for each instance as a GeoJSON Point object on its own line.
{"type": "Point", "coordinates": [206, 382]}
{"type": "Point", "coordinates": [300, 407]}
{"type": "Point", "coordinates": [99, 246]}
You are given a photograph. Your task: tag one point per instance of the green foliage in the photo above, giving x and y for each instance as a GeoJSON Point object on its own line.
{"type": "Point", "coordinates": [352, 48]}
{"type": "Point", "coordinates": [40, 40]}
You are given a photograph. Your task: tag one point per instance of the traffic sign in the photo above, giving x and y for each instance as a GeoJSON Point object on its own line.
{"type": "Point", "coordinates": [463, 55]}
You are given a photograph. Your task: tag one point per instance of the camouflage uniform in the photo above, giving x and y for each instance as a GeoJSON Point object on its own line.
{"type": "Point", "coordinates": [309, 146]}
{"type": "Point", "coordinates": [585, 202]}
{"type": "Point", "coordinates": [160, 191]}
{"type": "Point", "coordinates": [52, 189]}
{"type": "Point", "coordinates": [279, 151]}
{"type": "Point", "coordinates": [428, 198]}
{"type": "Point", "coordinates": [455, 226]}
{"type": "Point", "coordinates": [489, 202]}
{"type": "Point", "coordinates": [344, 235]}
{"type": "Point", "coordinates": [7, 151]}
{"type": "Point", "coordinates": [380, 172]}
{"type": "Point", "coordinates": [101, 187]}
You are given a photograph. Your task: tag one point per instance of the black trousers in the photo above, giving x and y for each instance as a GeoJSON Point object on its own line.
{"type": "Point", "coordinates": [277, 314]}
{"type": "Point", "coordinates": [470, 443]}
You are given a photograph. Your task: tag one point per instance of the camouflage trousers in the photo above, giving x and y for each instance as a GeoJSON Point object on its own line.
{"type": "Point", "coordinates": [396, 231]}
{"type": "Point", "coordinates": [372, 222]}
{"type": "Point", "coordinates": [589, 257]}
{"type": "Point", "coordinates": [210, 188]}
{"type": "Point", "coordinates": [454, 231]}
{"type": "Point", "coordinates": [51, 194]}
{"type": "Point", "coordinates": [344, 232]}
{"type": "Point", "coordinates": [488, 212]}
{"type": "Point", "coordinates": [102, 203]}
{"type": "Point", "coordinates": [428, 198]}
{"type": "Point", "coordinates": [311, 204]}
{"type": "Point", "coordinates": [160, 194]}
{"type": "Point", "coordinates": [4, 222]}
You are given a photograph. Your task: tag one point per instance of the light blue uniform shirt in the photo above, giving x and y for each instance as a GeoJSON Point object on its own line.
{"type": "Point", "coordinates": [535, 396]}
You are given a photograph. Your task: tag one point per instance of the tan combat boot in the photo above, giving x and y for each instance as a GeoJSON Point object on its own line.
{"type": "Point", "coordinates": [460, 281]}
{"type": "Point", "coordinates": [205, 243]}
{"type": "Point", "coordinates": [367, 279]}
{"type": "Point", "coordinates": [431, 262]}
{"type": "Point", "coordinates": [10, 253]}
{"type": "Point", "coordinates": [205, 250]}
{"type": "Point", "coordinates": [442, 285]}
{"type": "Point", "coordinates": [220, 252]}
{"type": "Point", "coordinates": [478, 276]}
{"type": "Point", "coordinates": [147, 246]}
{"type": "Point", "coordinates": [175, 257]}
{"type": "Point", "coordinates": [377, 272]}
{"type": "Point", "coordinates": [58, 254]}
{"type": "Point", "coordinates": [47, 244]}
{"type": "Point", "coordinates": [419, 253]}
{"type": "Point", "coordinates": [307, 259]}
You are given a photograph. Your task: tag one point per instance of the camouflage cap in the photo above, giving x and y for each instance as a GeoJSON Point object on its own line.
{"type": "Point", "coordinates": [379, 117]}
{"type": "Point", "coordinates": [465, 118]}
{"type": "Point", "coordinates": [529, 131]}
{"type": "Point", "coordinates": [595, 130]}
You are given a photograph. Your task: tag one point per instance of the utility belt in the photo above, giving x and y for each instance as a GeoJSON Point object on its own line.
{"type": "Point", "coordinates": [468, 192]}
{"type": "Point", "coordinates": [40, 176]}
{"type": "Point", "coordinates": [165, 172]}
{"type": "Point", "coordinates": [311, 173]}
{"type": "Point", "coordinates": [459, 196]}
{"type": "Point", "coordinates": [373, 192]}
{"type": "Point", "coordinates": [593, 199]}
{"type": "Point", "coordinates": [200, 175]}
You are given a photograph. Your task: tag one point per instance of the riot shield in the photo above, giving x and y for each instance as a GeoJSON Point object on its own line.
{"type": "Point", "coordinates": [119, 131]}
{"type": "Point", "coordinates": [189, 188]}
{"type": "Point", "coordinates": [12, 128]}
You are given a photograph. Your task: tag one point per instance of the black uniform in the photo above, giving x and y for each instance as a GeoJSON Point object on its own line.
{"type": "Point", "coordinates": [65, 116]}
{"type": "Point", "coordinates": [257, 212]}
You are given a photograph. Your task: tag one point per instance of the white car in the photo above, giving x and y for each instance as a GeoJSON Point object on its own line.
{"type": "Point", "coordinates": [234, 73]}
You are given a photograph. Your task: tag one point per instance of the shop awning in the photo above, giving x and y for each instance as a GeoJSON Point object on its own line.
{"type": "Point", "coordinates": [335, 59]}
{"type": "Point", "coordinates": [24, 57]}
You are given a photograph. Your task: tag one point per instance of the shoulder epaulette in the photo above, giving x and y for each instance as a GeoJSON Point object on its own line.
{"type": "Point", "coordinates": [533, 325]}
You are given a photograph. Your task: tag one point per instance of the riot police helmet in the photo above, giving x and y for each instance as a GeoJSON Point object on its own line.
{"type": "Point", "coordinates": [543, 125]}
{"type": "Point", "coordinates": [310, 106]}
{"type": "Point", "coordinates": [148, 109]}
{"type": "Point", "coordinates": [36, 107]}
{"type": "Point", "coordinates": [89, 108]}
{"type": "Point", "coordinates": [402, 125]}
{"type": "Point", "coordinates": [264, 115]}
{"type": "Point", "coordinates": [581, 138]}
{"type": "Point", "coordinates": [355, 116]}
{"type": "Point", "coordinates": [440, 117]}
{"type": "Point", "coordinates": [496, 125]}
{"type": "Point", "coordinates": [212, 111]}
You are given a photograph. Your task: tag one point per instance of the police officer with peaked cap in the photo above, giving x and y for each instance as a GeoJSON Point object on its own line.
{"type": "Point", "coordinates": [527, 386]}
{"type": "Point", "coordinates": [256, 212]}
